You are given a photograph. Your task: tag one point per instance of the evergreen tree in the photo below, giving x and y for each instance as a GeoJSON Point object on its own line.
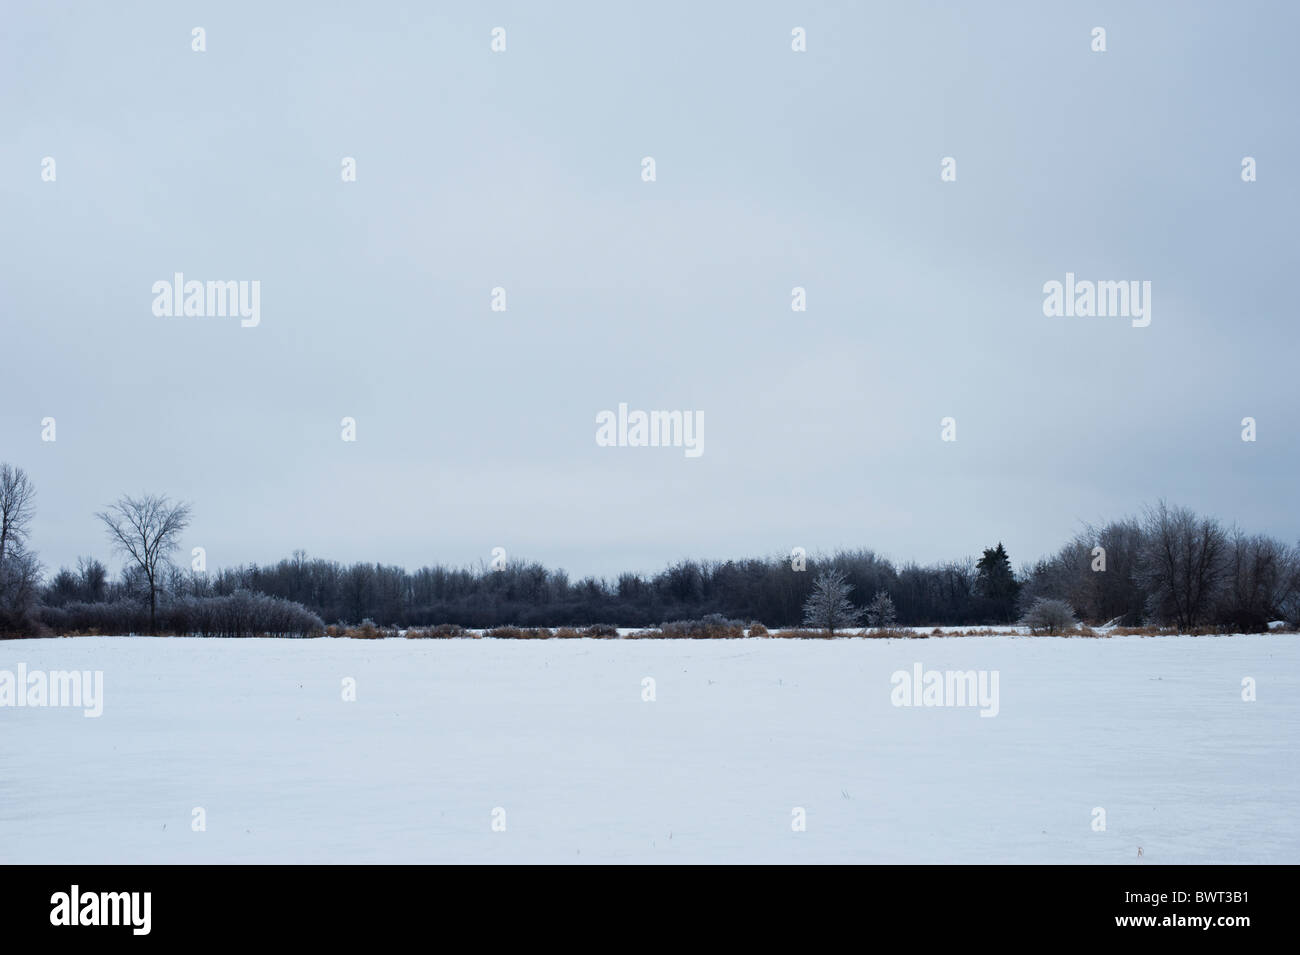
{"type": "Point", "coordinates": [996, 584]}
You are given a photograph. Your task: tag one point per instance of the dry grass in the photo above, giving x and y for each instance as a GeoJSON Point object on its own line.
{"type": "Point", "coordinates": [519, 633]}
{"type": "Point", "coordinates": [801, 634]}
{"type": "Point", "coordinates": [708, 628]}
{"type": "Point", "coordinates": [1083, 630]}
{"type": "Point", "coordinates": [717, 629]}
{"type": "Point", "coordinates": [443, 631]}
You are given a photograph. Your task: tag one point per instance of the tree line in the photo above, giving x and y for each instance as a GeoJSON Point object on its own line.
{"type": "Point", "coordinates": [1167, 566]}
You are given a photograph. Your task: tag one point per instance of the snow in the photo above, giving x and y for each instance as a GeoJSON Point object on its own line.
{"type": "Point", "coordinates": [555, 732]}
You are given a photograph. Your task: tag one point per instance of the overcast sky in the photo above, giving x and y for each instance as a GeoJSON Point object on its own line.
{"type": "Point", "coordinates": [523, 169]}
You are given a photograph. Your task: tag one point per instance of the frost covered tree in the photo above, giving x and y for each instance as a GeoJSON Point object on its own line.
{"type": "Point", "coordinates": [828, 607]}
{"type": "Point", "coordinates": [147, 529]}
{"type": "Point", "coordinates": [880, 612]}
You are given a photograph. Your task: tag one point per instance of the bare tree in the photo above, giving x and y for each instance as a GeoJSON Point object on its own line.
{"type": "Point", "coordinates": [828, 607]}
{"type": "Point", "coordinates": [20, 573]}
{"type": "Point", "coordinates": [1182, 564]}
{"type": "Point", "coordinates": [1259, 581]}
{"type": "Point", "coordinates": [92, 579]}
{"type": "Point", "coordinates": [17, 505]}
{"type": "Point", "coordinates": [147, 529]}
{"type": "Point", "coordinates": [20, 577]}
{"type": "Point", "coordinates": [1110, 590]}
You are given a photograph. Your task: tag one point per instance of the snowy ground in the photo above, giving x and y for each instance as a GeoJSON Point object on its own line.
{"type": "Point", "coordinates": [741, 733]}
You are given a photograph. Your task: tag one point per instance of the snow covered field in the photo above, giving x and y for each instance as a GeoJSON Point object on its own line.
{"type": "Point", "coordinates": [741, 733]}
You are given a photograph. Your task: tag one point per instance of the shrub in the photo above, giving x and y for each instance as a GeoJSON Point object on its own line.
{"type": "Point", "coordinates": [55, 618]}
{"type": "Point", "coordinates": [756, 629]}
{"type": "Point", "coordinates": [117, 617]}
{"type": "Point", "coordinates": [1048, 616]}
{"type": "Point", "coordinates": [366, 630]}
{"type": "Point", "coordinates": [601, 630]}
{"type": "Point", "coordinates": [241, 614]}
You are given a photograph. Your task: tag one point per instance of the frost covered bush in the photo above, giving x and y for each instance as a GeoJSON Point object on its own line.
{"type": "Point", "coordinates": [1050, 617]}
{"type": "Point", "coordinates": [241, 614]}
{"type": "Point", "coordinates": [115, 617]}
